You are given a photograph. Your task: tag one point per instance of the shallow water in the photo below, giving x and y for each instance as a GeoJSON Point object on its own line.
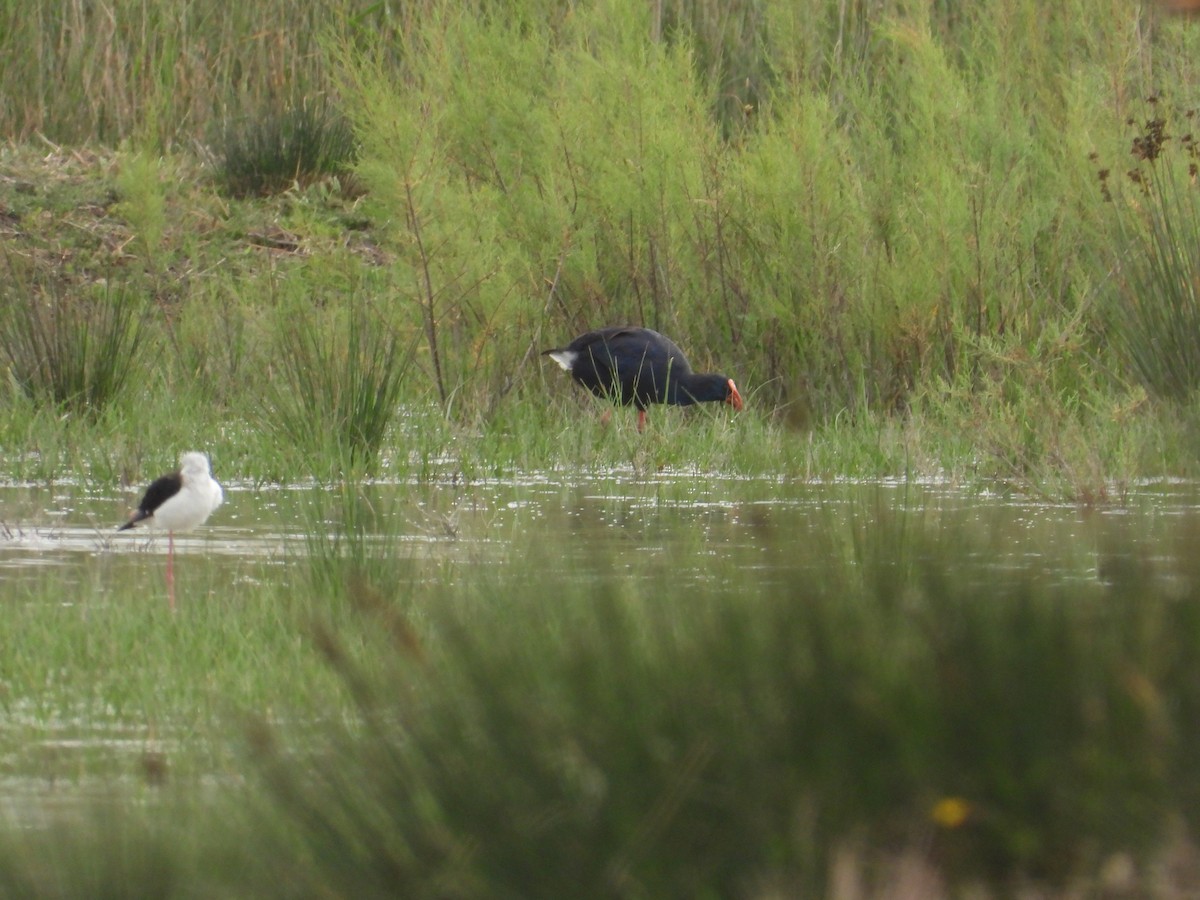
{"type": "Point", "coordinates": [579, 524]}
{"type": "Point", "coordinates": [675, 529]}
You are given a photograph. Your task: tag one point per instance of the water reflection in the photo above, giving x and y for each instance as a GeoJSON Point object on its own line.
{"type": "Point", "coordinates": [767, 525]}
{"type": "Point", "coordinates": [58, 545]}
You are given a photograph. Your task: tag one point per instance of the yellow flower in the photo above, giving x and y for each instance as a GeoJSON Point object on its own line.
{"type": "Point", "coordinates": [950, 812]}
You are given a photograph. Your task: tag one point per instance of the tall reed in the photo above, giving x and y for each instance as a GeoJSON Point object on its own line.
{"type": "Point", "coordinates": [1152, 298]}
{"type": "Point", "coordinates": [166, 72]}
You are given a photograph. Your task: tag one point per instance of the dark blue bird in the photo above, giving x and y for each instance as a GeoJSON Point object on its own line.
{"type": "Point", "coordinates": [637, 367]}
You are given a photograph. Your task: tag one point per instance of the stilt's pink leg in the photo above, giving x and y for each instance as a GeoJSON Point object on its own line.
{"type": "Point", "coordinates": [641, 420]}
{"type": "Point", "coordinates": [171, 569]}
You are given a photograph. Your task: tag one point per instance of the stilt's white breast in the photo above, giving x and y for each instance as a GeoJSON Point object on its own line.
{"type": "Point", "coordinates": [196, 500]}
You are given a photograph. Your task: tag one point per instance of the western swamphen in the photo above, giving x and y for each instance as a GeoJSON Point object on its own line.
{"type": "Point", "coordinates": [638, 366]}
{"type": "Point", "coordinates": [178, 502]}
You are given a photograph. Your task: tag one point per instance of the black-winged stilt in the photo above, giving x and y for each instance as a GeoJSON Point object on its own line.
{"type": "Point", "coordinates": [178, 502]}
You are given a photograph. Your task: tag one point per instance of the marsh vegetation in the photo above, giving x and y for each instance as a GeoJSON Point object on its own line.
{"type": "Point", "coordinates": [325, 243]}
{"type": "Point", "coordinates": [598, 686]}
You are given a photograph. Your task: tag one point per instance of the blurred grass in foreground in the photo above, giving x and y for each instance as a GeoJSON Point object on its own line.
{"type": "Point", "coordinates": [527, 733]}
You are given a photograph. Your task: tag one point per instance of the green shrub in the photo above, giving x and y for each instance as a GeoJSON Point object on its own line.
{"type": "Point", "coordinates": [337, 387]}
{"type": "Point", "coordinates": [274, 149]}
{"type": "Point", "coordinates": [72, 345]}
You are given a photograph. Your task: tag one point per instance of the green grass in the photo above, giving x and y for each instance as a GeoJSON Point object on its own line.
{"type": "Point", "coordinates": [891, 237]}
{"type": "Point", "coordinates": [342, 372]}
{"type": "Point", "coordinates": [662, 740]}
{"type": "Point", "coordinates": [69, 345]}
{"type": "Point", "coordinates": [530, 729]}
{"type": "Point", "coordinates": [276, 149]}
{"type": "Point", "coordinates": [120, 664]}
{"type": "Point", "coordinates": [899, 249]}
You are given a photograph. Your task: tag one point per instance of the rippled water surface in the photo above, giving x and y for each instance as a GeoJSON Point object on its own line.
{"type": "Point", "coordinates": [671, 531]}
{"type": "Point", "coordinates": [686, 519]}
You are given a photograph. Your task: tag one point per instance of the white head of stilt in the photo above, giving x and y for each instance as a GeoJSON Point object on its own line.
{"type": "Point", "coordinates": [194, 464]}
{"type": "Point", "coordinates": [198, 498]}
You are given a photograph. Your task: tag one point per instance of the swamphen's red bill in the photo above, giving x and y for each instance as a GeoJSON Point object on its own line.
{"type": "Point", "coordinates": [734, 399]}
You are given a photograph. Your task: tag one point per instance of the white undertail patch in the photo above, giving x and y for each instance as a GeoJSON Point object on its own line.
{"type": "Point", "coordinates": [565, 358]}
